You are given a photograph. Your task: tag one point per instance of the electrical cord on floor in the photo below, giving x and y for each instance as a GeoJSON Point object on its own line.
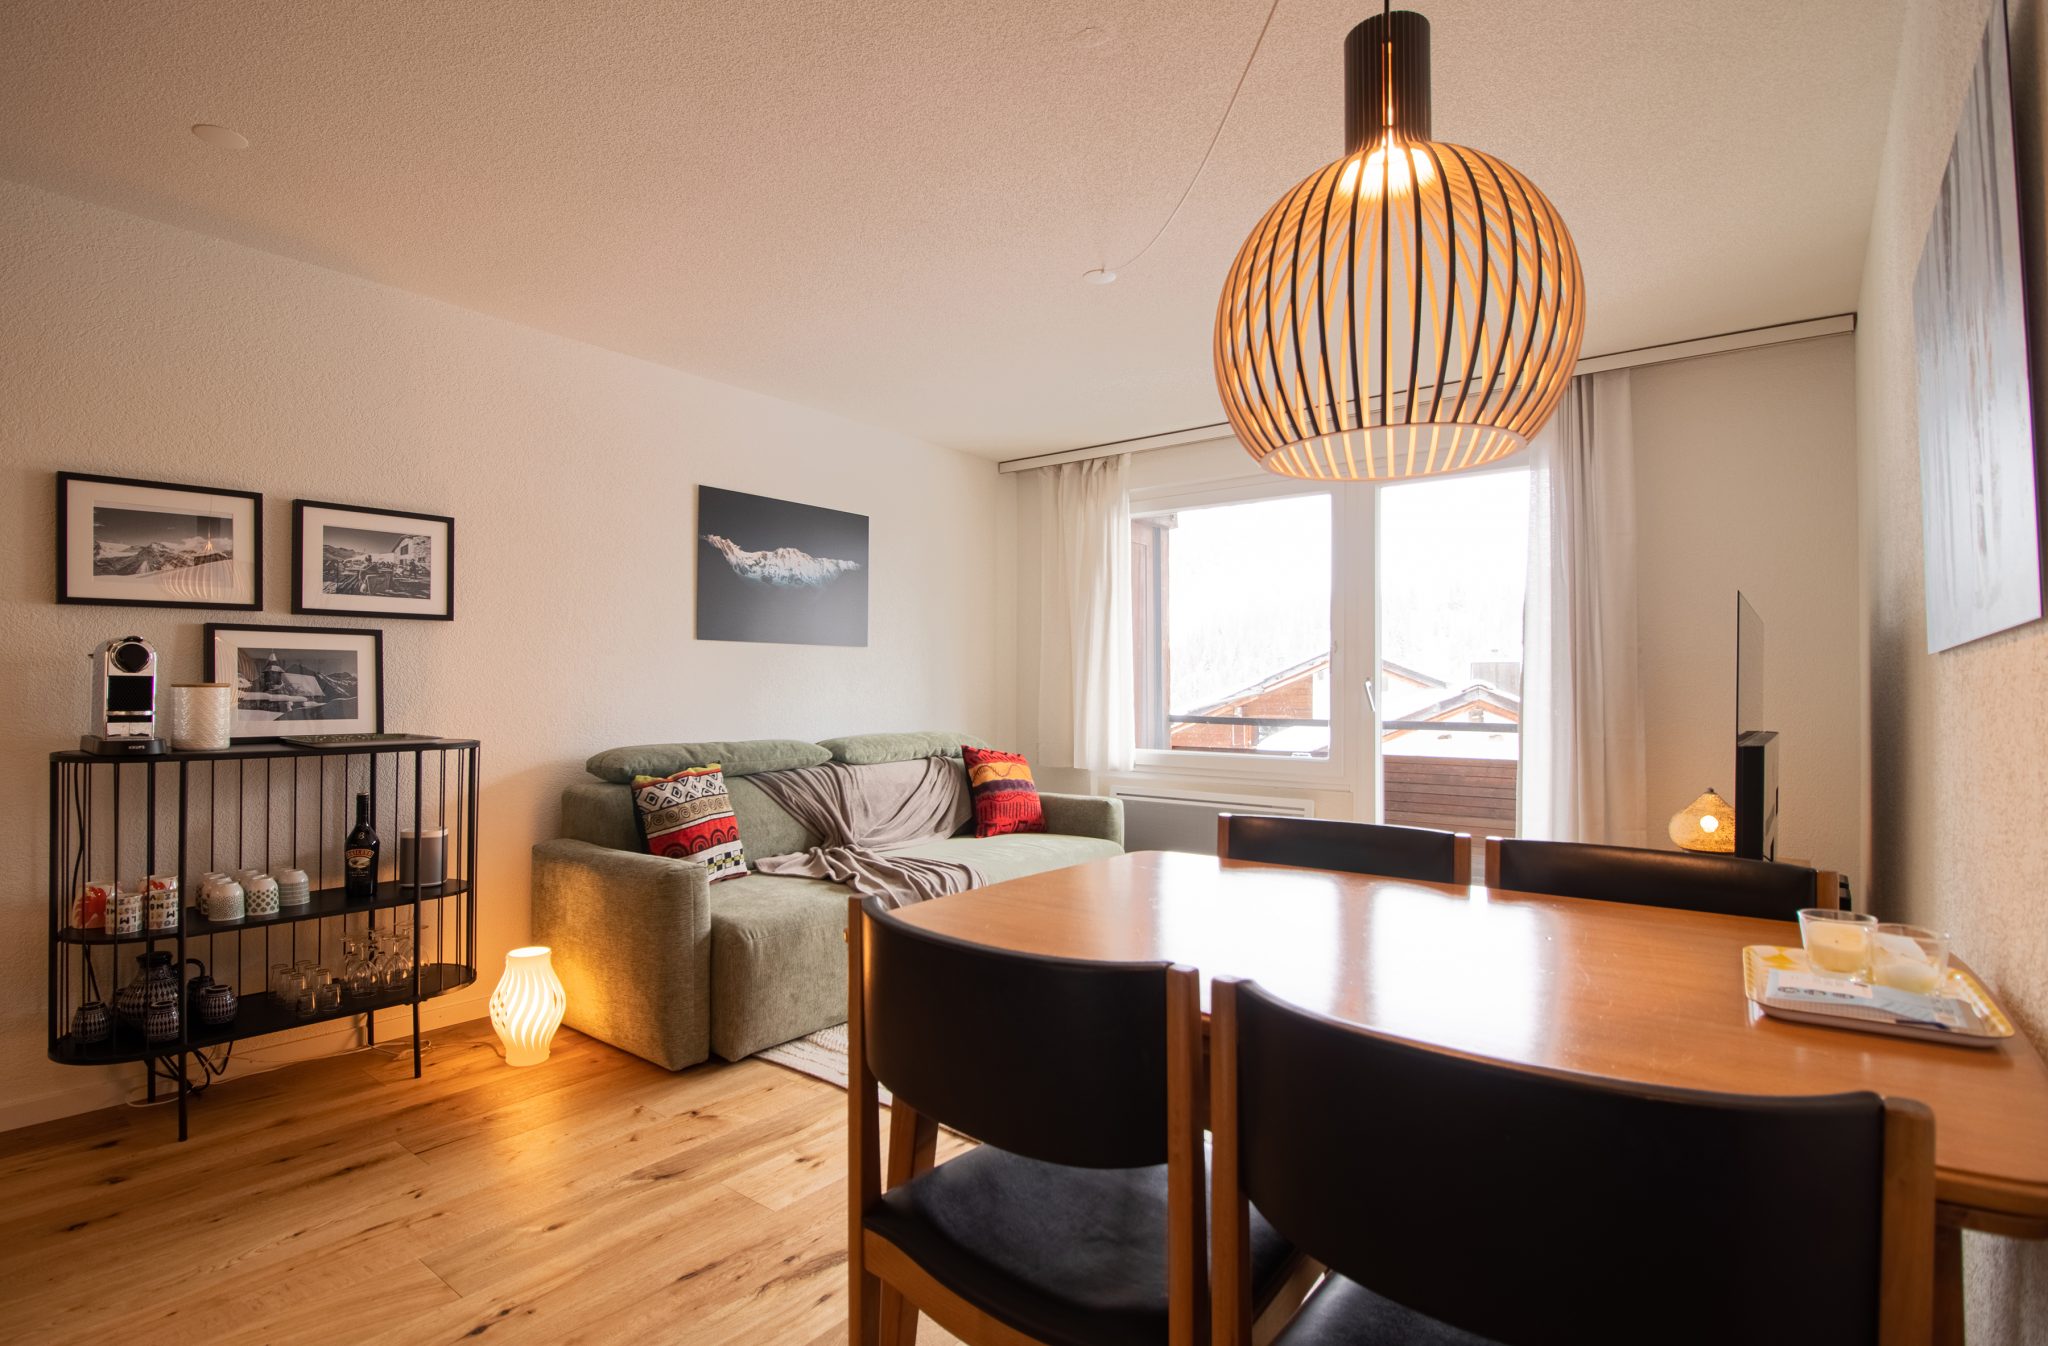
{"type": "Point", "coordinates": [213, 1070]}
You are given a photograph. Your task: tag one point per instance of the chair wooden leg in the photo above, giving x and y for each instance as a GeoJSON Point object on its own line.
{"type": "Point", "coordinates": [1948, 1285]}
{"type": "Point", "coordinates": [863, 1155]}
{"type": "Point", "coordinates": [913, 1146]}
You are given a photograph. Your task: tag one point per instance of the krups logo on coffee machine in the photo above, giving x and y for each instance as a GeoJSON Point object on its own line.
{"type": "Point", "coordinates": [124, 698]}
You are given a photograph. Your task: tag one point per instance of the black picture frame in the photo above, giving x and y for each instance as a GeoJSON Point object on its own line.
{"type": "Point", "coordinates": [68, 584]}
{"type": "Point", "coordinates": [306, 603]}
{"type": "Point", "coordinates": [359, 724]}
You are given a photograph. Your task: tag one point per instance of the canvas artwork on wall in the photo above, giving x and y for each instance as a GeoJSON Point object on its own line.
{"type": "Point", "coordinates": [776, 571]}
{"type": "Point", "coordinates": [1978, 516]}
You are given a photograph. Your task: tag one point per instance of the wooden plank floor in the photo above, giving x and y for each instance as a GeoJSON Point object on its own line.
{"type": "Point", "coordinates": [593, 1199]}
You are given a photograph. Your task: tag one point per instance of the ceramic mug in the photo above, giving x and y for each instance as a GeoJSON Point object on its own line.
{"type": "Point", "coordinates": [124, 913]}
{"type": "Point", "coordinates": [221, 899]}
{"type": "Point", "coordinates": [260, 894]}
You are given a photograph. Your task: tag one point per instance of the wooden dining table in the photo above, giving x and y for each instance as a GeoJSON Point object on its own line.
{"type": "Point", "coordinates": [1641, 994]}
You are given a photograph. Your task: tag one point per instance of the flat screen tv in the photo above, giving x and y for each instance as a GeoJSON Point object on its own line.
{"type": "Point", "coordinates": [1756, 748]}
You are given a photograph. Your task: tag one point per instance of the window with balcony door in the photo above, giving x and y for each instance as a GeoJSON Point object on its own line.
{"type": "Point", "coordinates": [1231, 606]}
{"type": "Point", "coordinates": [1452, 576]}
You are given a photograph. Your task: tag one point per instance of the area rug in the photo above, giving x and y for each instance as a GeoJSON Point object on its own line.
{"type": "Point", "coordinates": [822, 1056]}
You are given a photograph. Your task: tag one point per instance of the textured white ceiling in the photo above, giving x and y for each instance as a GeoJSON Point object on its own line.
{"type": "Point", "coordinates": [884, 208]}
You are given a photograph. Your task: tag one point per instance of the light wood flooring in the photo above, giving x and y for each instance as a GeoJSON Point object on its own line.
{"type": "Point", "coordinates": [592, 1199]}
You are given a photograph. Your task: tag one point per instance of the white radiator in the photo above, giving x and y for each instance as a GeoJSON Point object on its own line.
{"type": "Point", "coordinates": [1185, 820]}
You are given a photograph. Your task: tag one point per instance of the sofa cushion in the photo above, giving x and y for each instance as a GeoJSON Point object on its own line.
{"type": "Point", "coordinates": [688, 816]}
{"type": "Point", "coordinates": [874, 749]}
{"type": "Point", "coordinates": [778, 948]}
{"type": "Point", "coordinates": [740, 757]}
{"type": "Point", "coordinates": [765, 825]}
{"type": "Point", "coordinates": [778, 961]}
{"type": "Point", "coordinates": [1015, 855]}
{"type": "Point", "coordinates": [1005, 796]}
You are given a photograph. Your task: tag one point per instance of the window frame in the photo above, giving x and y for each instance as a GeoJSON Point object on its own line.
{"type": "Point", "coordinates": [1353, 539]}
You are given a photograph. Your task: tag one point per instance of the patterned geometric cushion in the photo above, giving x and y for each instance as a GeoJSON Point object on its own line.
{"type": "Point", "coordinates": [1005, 797]}
{"type": "Point", "coordinates": [688, 816]}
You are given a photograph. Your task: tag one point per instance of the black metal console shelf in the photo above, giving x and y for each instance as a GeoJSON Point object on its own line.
{"type": "Point", "coordinates": [262, 806]}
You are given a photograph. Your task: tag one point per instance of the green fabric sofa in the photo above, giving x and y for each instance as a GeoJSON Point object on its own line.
{"type": "Point", "coordinates": [665, 965]}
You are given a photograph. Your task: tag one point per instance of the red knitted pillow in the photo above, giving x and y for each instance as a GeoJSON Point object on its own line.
{"type": "Point", "coordinates": [1005, 796]}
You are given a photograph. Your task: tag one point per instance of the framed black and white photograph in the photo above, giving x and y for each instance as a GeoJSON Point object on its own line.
{"type": "Point", "coordinates": [299, 680]}
{"type": "Point", "coordinates": [157, 544]}
{"type": "Point", "coordinates": [372, 562]}
{"type": "Point", "coordinates": [779, 572]}
{"type": "Point", "coordinates": [1977, 452]}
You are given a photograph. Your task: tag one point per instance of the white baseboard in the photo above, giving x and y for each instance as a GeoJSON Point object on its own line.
{"type": "Point", "coordinates": [112, 1086]}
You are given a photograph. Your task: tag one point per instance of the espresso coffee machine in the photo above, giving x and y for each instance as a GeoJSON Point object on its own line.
{"type": "Point", "coordinates": [124, 699]}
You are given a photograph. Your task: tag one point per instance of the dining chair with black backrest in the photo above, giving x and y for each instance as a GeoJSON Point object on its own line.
{"type": "Point", "coordinates": [1717, 883]}
{"type": "Point", "coordinates": [1079, 1219]}
{"type": "Point", "coordinates": [1460, 1202]}
{"type": "Point", "coordinates": [1419, 853]}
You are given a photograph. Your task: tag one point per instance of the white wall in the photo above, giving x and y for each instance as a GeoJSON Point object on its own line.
{"type": "Point", "coordinates": [1745, 479]}
{"type": "Point", "coordinates": [132, 348]}
{"type": "Point", "coordinates": [1958, 741]}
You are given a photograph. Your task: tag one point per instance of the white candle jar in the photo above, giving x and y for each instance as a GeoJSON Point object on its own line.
{"type": "Point", "coordinates": [201, 716]}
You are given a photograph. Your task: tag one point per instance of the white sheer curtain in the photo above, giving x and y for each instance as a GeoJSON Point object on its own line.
{"type": "Point", "coordinates": [1084, 617]}
{"type": "Point", "coordinates": [1582, 723]}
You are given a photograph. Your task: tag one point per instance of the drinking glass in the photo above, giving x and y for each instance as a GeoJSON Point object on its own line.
{"type": "Point", "coordinates": [297, 991]}
{"type": "Point", "coordinates": [327, 997]}
{"type": "Point", "coordinates": [1909, 958]}
{"type": "Point", "coordinates": [1837, 942]}
{"type": "Point", "coordinates": [398, 968]}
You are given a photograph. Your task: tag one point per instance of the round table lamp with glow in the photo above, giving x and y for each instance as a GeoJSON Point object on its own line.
{"type": "Point", "coordinates": [1706, 824]}
{"type": "Point", "coordinates": [526, 1007]}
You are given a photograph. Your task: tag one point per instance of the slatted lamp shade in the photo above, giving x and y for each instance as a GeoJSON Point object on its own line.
{"type": "Point", "coordinates": [1412, 309]}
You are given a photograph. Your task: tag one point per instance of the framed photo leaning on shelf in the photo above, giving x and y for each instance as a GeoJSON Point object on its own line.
{"type": "Point", "coordinates": [157, 544]}
{"type": "Point", "coordinates": [372, 562]}
{"type": "Point", "coordinates": [299, 680]}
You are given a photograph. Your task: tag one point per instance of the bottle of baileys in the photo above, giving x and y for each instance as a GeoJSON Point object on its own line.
{"type": "Point", "coordinates": [360, 859]}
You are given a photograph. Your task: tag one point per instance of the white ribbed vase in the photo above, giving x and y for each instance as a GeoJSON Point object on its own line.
{"type": "Point", "coordinates": [527, 1006]}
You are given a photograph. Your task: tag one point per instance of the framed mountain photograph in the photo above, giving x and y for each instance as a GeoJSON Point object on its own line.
{"type": "Point", "coordinates": [298, 680]}
{"type": "Point", "coordinates": [779, 572]}
{"type": "Point", "coordinates": [122, 542]}
{"type": "Point", "coordinates": [372, 562]}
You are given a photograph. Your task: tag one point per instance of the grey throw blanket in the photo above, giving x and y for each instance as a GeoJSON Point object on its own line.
{"type": "Point", "coordinates": [859, 810]}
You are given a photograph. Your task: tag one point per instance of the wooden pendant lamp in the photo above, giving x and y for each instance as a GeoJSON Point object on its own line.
{"type": "Point", "coordinates": [1412, 309]}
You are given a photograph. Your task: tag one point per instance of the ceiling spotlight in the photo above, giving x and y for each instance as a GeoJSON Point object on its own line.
{"type": "Point", "coordinates": [221, 136]}
{"type": "Point", "coordinates": [1101, 275]}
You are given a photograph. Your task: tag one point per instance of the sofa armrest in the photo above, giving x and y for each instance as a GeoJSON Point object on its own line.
{"type": "Point", "coordinates": [1084, 816]}
{"type": "Point", "coordinates": [631, 935]}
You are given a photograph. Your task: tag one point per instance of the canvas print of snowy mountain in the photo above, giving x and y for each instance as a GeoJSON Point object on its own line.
{"type": "Point", "coordinates": [779, 572]}
{"type": "Point", "coordinates": [156, 544]}
{"type": "Point", "coordinates": [1977, 506]}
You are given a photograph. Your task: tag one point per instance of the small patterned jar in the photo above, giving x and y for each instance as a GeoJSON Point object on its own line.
{"type": "Point", "coordinates": [91, 1022]}
{"type": "Point", "coordinates": [214, 1003]}
{"type": "Point", "coordinates": [161, 910]}
{"type": "Point", "coordinates": [160, 1018]}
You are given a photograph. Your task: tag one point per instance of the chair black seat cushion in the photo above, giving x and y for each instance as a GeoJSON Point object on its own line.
{"type": "Point", "coordinates": [1345, 1313]}
{"type": "Point", "coordinates": [1075, 1256]}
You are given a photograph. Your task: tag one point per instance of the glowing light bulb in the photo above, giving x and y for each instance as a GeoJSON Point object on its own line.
{"type": "Point", "coordinates": [1710, 823]}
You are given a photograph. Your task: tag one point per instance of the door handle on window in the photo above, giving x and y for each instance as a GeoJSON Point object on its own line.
{"type": "Point", "coordinates": [1370, 698]}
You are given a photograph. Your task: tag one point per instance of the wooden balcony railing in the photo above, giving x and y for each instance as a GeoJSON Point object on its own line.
{"type": "Point", "coordinates": [1457, 794]}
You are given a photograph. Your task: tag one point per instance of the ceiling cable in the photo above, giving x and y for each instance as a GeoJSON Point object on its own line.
{"type": "Point", "coordinates": [1106, 274]}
